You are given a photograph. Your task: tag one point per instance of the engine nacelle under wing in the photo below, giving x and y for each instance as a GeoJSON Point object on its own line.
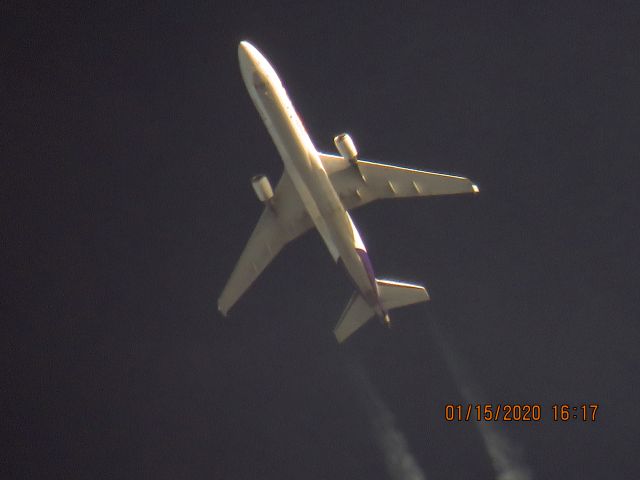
{"type": "Point", "coordinates": [345, 146]}
{"type": "Point", "coordinates": [262, 187]}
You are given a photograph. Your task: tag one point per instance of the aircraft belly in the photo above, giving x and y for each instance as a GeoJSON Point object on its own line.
{"type": "Point", "coordinates": [314, 187]}
{"type": "Point", "coordinates": [303, 165]}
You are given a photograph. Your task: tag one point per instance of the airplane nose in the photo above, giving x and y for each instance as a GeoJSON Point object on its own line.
{"type": "Point", "coordinates": [255, 69]}
{"type": "Point", "coordinates": [244, 56]}
{"type": "Point", "coordinates": [247, 62]}
{"type": "Point", "coordinates": [242, 48]}
{"type": "Point", "coordinates": [250, 60]}
{"type": "Point", "coordinates": [248, 54]}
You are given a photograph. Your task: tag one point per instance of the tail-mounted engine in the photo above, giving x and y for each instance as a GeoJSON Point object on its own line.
{"type": "Point", "coordinates": [262, 187]}
{"type": "Point", "coordinates": [345, 146]}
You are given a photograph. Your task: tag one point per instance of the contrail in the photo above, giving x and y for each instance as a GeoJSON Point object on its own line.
{"type": "Point", "coordinates": [505, 455]}
{"type": "Point", "coordinates": [400, 463]}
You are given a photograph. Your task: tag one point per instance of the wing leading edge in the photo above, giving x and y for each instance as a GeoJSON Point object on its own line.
{"type": "Point", "coordinates": [363, 182]}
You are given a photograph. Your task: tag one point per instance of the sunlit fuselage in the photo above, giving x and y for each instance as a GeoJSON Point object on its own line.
{"type": "Point", "coordinates": [305, 168]}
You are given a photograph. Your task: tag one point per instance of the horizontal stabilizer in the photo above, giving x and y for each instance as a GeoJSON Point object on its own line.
{"type": "Point", "coordinates": [392, 295]}
{"type": "Point", "coordinates": [397, 294]}
{"type": "Point", "coordinates": [357, 313]}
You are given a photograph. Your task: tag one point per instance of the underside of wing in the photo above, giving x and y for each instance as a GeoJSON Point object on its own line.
{"type": "Point", "coordinates": [364, 182]}
{"type": "Point", "coordinates": [333, 163]}
{"type": "Point", "coordinates": [281, 222]}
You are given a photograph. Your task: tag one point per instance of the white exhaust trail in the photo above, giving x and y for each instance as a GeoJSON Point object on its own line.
{"type": "Point", "coordinates": [505, 455]}
{"type": "Point", "coordinates": [400, 463]}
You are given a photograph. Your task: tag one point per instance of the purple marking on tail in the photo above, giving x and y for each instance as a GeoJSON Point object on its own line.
{"type": "Point", "coordinates": [368, 267]}
{"type": "Point", "coordinates": [366, 261]}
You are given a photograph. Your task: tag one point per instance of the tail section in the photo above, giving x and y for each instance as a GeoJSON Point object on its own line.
{"type": "Point", "coordinates": [397, 294]}
{"type": "Point", "coordinates": [390, 294]}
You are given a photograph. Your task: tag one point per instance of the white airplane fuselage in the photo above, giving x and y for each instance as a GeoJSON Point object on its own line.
{"type": "Point", "coordinates": [303, 164]}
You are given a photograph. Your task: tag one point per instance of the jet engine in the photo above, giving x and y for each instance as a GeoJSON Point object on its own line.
{"type": "Point", "coordinates": [262, 187]}
{"type": "Point", "coordinates": [345, 146]}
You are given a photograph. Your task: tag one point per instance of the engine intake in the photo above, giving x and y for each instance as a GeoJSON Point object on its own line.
{"type": "Point", "coordinates": [345, 146]}
{"type": "Point", "coordinates": [262, 187]}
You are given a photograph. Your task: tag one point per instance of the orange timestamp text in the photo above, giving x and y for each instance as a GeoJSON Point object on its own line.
{"type": "Point", "coordinates": [518, 412]}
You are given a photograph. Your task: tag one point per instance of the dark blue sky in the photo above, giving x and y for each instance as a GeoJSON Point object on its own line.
{"type": "Point", "coordinates": [130, 140]}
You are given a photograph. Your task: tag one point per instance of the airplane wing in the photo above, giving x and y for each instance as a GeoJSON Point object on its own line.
{"type": "Point", "coordinates": [365, 182]}
{"type": "Point", "coordinates": [279, 224]}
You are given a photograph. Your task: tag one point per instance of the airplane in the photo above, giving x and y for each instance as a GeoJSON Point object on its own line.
{"type": "Point", "coordinates": [317, 190]}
